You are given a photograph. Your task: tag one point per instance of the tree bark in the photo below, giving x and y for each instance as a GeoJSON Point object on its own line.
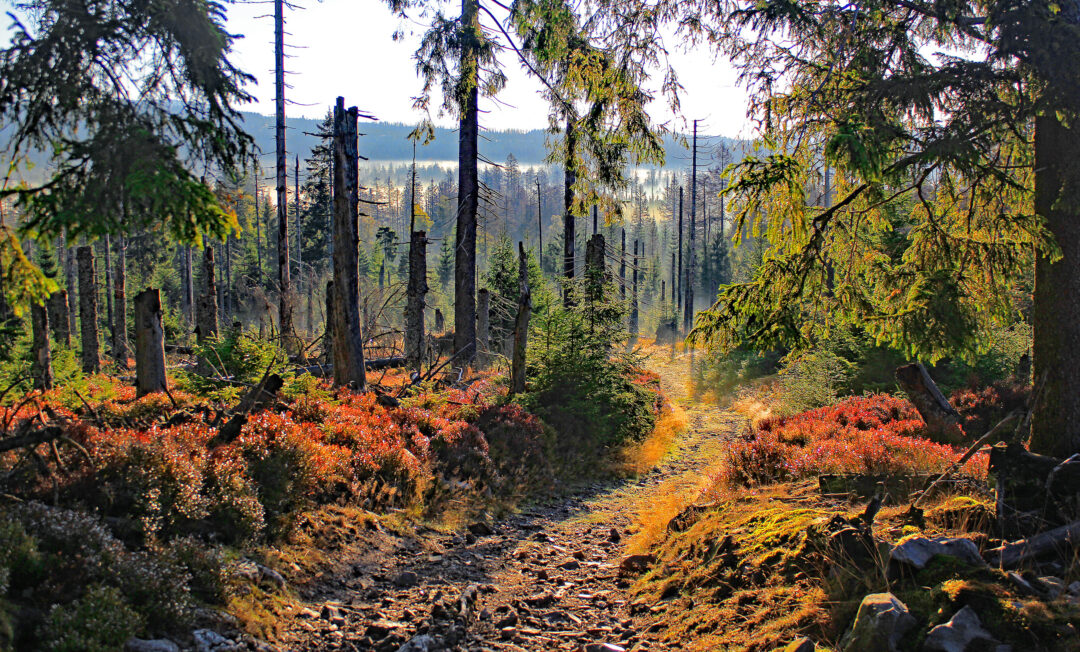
{"type": "Point", "coordinates": [634, 298]}
{"type": "Point", "coordinates": [569, 236]}
{"type": "Point", "coordinates": [285, 297]}
{"type": "Point", "coordinates": [348, 344]}
{"type": "Point", "coordinates": [206, 313]}
{"type": "Point", "coordinates": [188, 284]}
{"type": "Point", "coordinates": [416, 294]}
{"type": "Point", "coordinates": [149, 344]}
{"type": "Point", "coordinates": [39, 319]}
{"type": "Point", "coordinates": [109, 314]}
{"type": "Point", "coordinates": [120, 339]}
{"type": "Point", "coordinates": [440, 321]}
{"type": "Point", "coordinates": [1055, 311]}
{"type": "Point", "coordinates": [483, 327]}
{"type": "Point", "coordinates": [88, 310]}
{"type": "Point", "coordinates": [468, 186]}
{"type": "Point", "coordinates": [595, 273]}
{"type": "Point", "coordinates": [58, 318]}
{"type": "Point", "coordinates": [622, 267]}
{"type": "Point", "coordinates": [72, 283]}
{"type": "Point", "coordinates": [521, 325]}
{"type": "Point", "coordinates": [328, 325]}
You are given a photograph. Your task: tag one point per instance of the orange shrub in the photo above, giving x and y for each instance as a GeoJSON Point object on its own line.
{"type": "Point", "coordinates": [877, 434]}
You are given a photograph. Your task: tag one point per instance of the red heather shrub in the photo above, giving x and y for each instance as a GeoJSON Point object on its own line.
{"type": "Point", "coordinates": [982, 409]}
{"type": "Point", "coordinates": [877, 434]}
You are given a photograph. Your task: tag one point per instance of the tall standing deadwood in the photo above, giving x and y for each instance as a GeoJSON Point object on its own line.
{"type": "Point", "coordinates": [71, 278]}
{"type": "Point", "coordinates": [285, 296]}
{"type": "Point", "coordinates": [634, 297]}
{"type": "Point", "coordinates": [483, 327]}
{"type": "Point", "coordinates": [328, 332]}
{"type": "Point", "coordinates": [149, 344]}
{"type": "Point", "coordinates": [622, 267]}
{"type": "Point", "coordinates": [348, 343]}
{"type": "Point", "coordinates": [109, 314]}
{"type": "Point", "coordinates": [688, 282]}
{"type": "Point", "coordinates": [58, 318]}
{"type": "Point", "coordinates": [120, 347]}
{"type": "Point", "coordinates": [569, 235]}
{"type": "Point", "coordinates": [416, 294]}
{"type": "Point", "coordinates": [677, 285]}
{"type": "Point", "coordinates": [468, 184]}
{"type": "Point", "coordinates": [206, 313]}
{"type": "Point", "coordinates": [39, 320]}
{"type": "Point", "coordinates": [188, 283]}
{"type": "Point", "coordinates": [88, 310]}
{"type": "Point", "coordinates": [521, 325]}
{"type": "Point", "coordinates": [440, 322]}
{"type": "Point", "coordinates": [595, 274]}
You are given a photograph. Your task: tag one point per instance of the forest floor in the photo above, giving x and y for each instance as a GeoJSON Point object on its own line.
{"type": "Point", "coordinates": [547, 577]}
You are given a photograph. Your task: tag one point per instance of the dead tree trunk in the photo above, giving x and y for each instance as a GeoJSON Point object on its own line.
{"type": "Point", "coordinates": [595, 275]}
{"type": "Point", "coordinates": [39, 318]}
{"type": "Point", "coordinates": [483, 327]}
{"type": "Point", "coordinates": [416, 295]}
{"type": "Point", "coordinates": [348, 343]}
{"type": "Point", "coordinates": [71, 279]}
{"type": "Point", "coordinates": [468, 188]}
{"type": "Point", "coordinates": [285, 297]}
{"type": "Point", "coordinates": [440, 321]}
{"type": "Point", "coordinates": [328, 325]}
{"type": "Point", "coordinates": [58, 318]}
{"type": "Point", "coordinates": [188, 282]}
{"type": "Point", "coordinates": [521, 325]}
{"type": "Point", "coordinates": [88, 310]}
{"type": "Point", "coordinates": [941, 418]}
{"type": "Point", "coordinates": [634, 298]}
{"type": "Point", "coordinates": [149, 344]}
{"type": "Point", "coordinates": [206, 311]}
{"type": "Point", "coordinates": [569, 236]}
{"type": "Point", "coordinates": [120, 340]}
{"type": "Point", "coordinates": [110, 316]}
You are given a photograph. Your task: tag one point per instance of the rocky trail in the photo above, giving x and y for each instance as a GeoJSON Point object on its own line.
{"type": "Point", "coordinates": [552, 577]}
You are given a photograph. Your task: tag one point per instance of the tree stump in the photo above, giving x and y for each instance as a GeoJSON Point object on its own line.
{"type": "Point", "coordinates": [39, 319]}
{"type": "Point", "coordinates": [348, 345]}
{"type": "Point", "coordinates": [149, 344]}
{"type": "Point", "coordinates": [88, 311]}
{"type": "Point", "coordinates": [942, 420]}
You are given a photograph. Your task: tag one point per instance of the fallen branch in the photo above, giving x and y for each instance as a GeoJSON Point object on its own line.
{"type": "Point", "coordinates": [1012, 555]}
{"type": "Point", "coordinates": [32, 438]}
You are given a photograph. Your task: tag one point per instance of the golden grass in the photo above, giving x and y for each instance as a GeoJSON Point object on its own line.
{"type": "Point", "coordinates": [639, 458]}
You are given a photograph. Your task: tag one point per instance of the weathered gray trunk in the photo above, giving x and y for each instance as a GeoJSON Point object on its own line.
{"type": "Point", "coordinates": [483, 327]}
{"type": "Point", "coordinates": [468, 187]}
{"type": "Point", "coordinates": [39, 320]}
{"type": "Point", "coordinates": [206, 310]}
{"type": "Point", "coordinates": [521, 325]}
{"type": "Point", "coordinates": [595, 274]}
{"type": "Point", "coordinates": [285, 298]}
{"type": "Point", "coordinates": [415, 298]}
{"type": "Point", "coordinates": [634, 298]}
{"type": "Point", "coordinates": [149, 344]}
{"type": "Point", "coordinates": [58, 318]}
{"type": "Point", "coordinates": [88, 310]}
{"type": "Point", "coordinates": [569, 235]}
{"type": "Point", "coordinates": [328, 325]}
{"type": "Point", "coordinates": [120, 339]}
{"type": "Point", "coordinates": [348, 344]}
{"type": "Point", "coordinates": [188, 282]}
{"type": "Point", "coordinates": [622, 267]}
{"type": "Point", "coordinates": [71, 279]}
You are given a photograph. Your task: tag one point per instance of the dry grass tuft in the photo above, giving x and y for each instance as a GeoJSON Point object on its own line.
{"type": "Point", "coordinates": [640, 457]}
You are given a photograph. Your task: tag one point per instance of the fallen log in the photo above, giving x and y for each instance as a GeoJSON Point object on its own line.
{"type": "Point", "coordinates": [327, 370]}
{"type": "Point", "coordinates": [1063, 540]}
{"type": "Point", "coordinates": [34, 438]}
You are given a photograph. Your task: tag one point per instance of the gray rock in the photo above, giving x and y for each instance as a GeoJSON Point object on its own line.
{"type": "Point", "coordinates": [153, 645]}
{"type": "Point", "coordinates": [270, 575]}
{"type": "Point", "coordinates": [1054, 586]}
{"type": "Point", "coordinates": [406, 579]}
{"type": "Point", "coordinates": [207, 640]}
{"type": "Point", "coordinates": [963, 632]}
{"type": "Point", "coordinates": [801, 644]}
{"type": "Point", "coordinates": [422, 643]}
{"type": "Point", "coordinates": [918, 552]}
{"type": "Point", "coordinates": [881, 622]}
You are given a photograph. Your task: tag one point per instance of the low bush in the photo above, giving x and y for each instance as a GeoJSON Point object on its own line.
{"type": "Point", "coordinates": [878, 434]}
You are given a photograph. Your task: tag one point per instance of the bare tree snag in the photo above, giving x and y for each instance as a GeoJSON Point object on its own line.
{"type": "Point", "coordinates": [941, 418]}
{"type": "Point", "coordinates": [39, 320]}
{"type": "Point", "coordinates": [348, 342]}
{"type": "Point", "coordinates": [149, 344]}
{"type": "Point", "coordinates": [622, 267]}
{"type": "Point", "coordinates": [88, 310]}
{"type": "Point", "coordinates": [569, 235]}
{"type": "Point", "coordinates": [634, 299]}
{"type": "Point", "coordinates": [187, 282]}
{"type": "Point", "coordinates": [595, 273]}
{"type": "Point", "coordinates": [483, 327]}
{"type": "Point", "coordinates": [58, 318]}
{"type": "Point", "coordinates": [521, 325]}
{"type": "Point", "coordinates": [206, 310]}
{"type": "Point", "coordinates": [285, 298]}
{"type": "Point", "coordinates": [120, 347]}
{"type": "Point", "coordinates": [71, 280]}
{"type": "Point", "coordinates": [468, 185]}
{"type": "Point", "coordinates": [440, 321]}
{"type": "Point", "coordinates": [328, 332]}
{"type": "Point", "coordinates": [416, 294]}
{"type": "Point", "coordinates": [106, 247]}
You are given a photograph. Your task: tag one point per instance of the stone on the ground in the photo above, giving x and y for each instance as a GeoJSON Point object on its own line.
{"type": "Point", "coordinates": [151, 645]}
{"type": "Point", "coordinates": [963, 632]}
{"type": "Point", "coordinates": [801, 644]}
{"type": "Point", "coordinates": [614, 536]}
{"type": "Point", "coordinates": [481, 529]}
{"type": "Point", "coordinates": [421, 643]}
{"type": "Point", "coordinates": [919, 551]}
{"type": "Point", "coordinates": [270, 575]}
{"type": "Point", "coordinates": [879, 625]}
{"type": "Point", "coordinates": [604, 647]}
{"type": "Point", "coordinates": [406, 579]}
{"type": "Point", "coordinates": [207, 640]}
{"type": "Point", "coordinates": [636, 563]}
{"type": "Point", "coordinates": [1053, 586]}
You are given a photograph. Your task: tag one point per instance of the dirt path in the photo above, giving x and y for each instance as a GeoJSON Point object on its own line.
{"type": "Point", "coordinates": [545, 579]}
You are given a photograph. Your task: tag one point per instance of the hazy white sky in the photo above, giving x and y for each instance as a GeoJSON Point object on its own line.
{"type": "Point", "coordinates": [347, 49]}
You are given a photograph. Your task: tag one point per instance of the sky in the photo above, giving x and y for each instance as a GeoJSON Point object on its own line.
{"type": "Point", "coordinates": [345, 47]}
